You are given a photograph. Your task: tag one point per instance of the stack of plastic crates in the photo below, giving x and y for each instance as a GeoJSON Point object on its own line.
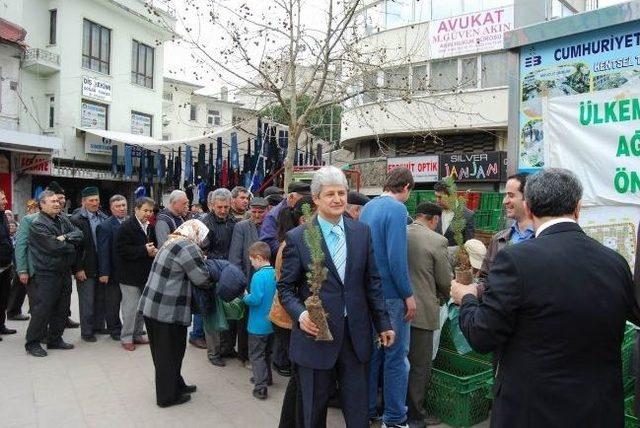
{"type": "Point", "coordinates": [459, 389]}
{"type": "Point", "coordinates": [489, 216]}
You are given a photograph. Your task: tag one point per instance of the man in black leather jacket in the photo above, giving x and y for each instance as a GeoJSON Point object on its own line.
{"type": "Point", "coordinates": [53, 242]}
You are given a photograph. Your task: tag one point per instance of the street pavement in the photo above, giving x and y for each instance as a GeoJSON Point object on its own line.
{"type": "Point", "coordinates": [102, 385]}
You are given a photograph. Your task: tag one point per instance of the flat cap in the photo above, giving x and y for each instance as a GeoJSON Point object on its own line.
{"type": "Point", "coordinates": [89, 191]}
{"type": "Point", "coordinates": [357, 198]}
{"type": "Point", "coordinates": [272, 190]}
{"type": "Point", "coordinates": [56, 188]}
{"type": "Point", "coordinates": [428, 208]}
{"type": "Point", "coordinates": [258, 202]}
{"type": "Point", "coordinates": [274, 199]}
{"type": "Point", "coordinates": [299, 187]}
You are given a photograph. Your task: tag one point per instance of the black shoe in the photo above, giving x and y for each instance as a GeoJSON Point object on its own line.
{"type": "Point", "coordinates": [269, 382]}
{"type": "Point", "coordinates": [18, 317]}
{"type": "Point", "coordinates": [282, 371]}
{"type": "Point", "coordinates": [36, 350]}
{"type": "Point", "coordinates": [90, 339]}
{"type": "Point", "coordinates": [180, 400]}
{"type": "Point", "coordinates": [260, 394]}
{"type": "Point", "coordinates": [217, 361]}
{"type": "Point", "coordinates": [5, 330]}
{"type": "Point", "coordinates": [60, 344]}
{"type": "Point", "coordinates": [188, 389]}
{"type": "Point", "coordinates": [116, 337]}
{"type": "Point", "coordinates": [102, 331]}
{"type": "Point", "coordinates": [69, 323]}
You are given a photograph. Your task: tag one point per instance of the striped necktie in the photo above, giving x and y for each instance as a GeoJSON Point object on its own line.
{"type": "Point", "coordinates": [339, 250]}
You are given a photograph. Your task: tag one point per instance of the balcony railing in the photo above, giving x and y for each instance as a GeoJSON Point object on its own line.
{"type": "Point", "coordinates": [41, 61]}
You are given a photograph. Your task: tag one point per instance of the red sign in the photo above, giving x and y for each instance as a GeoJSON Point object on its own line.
{"type": "Point", "coordinates": [35, 164]}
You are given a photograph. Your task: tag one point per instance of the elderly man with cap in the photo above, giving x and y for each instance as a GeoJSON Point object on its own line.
{"type": "Point", "coordinates": [355, 202]}
{"type": "Point", "coordinates": [87, 220]}
{"type": "Point", "coordinates": [268, 233]}
{"type": "Point", "coordinates": [430, 275]}
{"type": "Point", "coordinates": [246, 233]}
{"type": "Point", "coordinates": [239, 203]}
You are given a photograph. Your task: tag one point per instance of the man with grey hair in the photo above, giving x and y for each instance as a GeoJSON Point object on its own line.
{"type": "Point", "coordinates": [554, 308]}
{"type": "Point", "coordinates": [169, 218]}
{"type": "Point", "coordinates": [221, 224]}
{"type": "Point", "coordinates": [352, 299]}
{"type": "Point", "coordinates": [52, 246]}
{"type": "Point", "coordinates": [108, 295]}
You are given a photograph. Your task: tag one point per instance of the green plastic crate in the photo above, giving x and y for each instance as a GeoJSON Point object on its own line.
{"type": "Point", "coordinates": [491, 201]}
{"type": "Point", "coordinates": [458, 389]}
{"type": "Point", "coordinates": [627, 352]}
{"type": "Point", "coordinates": [630, 421]}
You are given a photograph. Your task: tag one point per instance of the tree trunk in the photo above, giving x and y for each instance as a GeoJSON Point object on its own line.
{"type": "Point", "coordinates": [294, 135]}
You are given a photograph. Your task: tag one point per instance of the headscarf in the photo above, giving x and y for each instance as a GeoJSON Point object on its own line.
{"type": "Point", "coordinates": [193, 230]}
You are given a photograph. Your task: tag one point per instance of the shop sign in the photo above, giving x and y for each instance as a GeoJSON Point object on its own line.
{"type": "Point", "coordinates": [584, 63]}
{"type": "Point", "coordinates": [423, 168]}
{"type": "Point", "coordinates": [471, 33]}
{"type": "Point", "coordinates": [93, 116]}
{"type": "Point", "coordinates": [96, 145]}
{"type": "Point", "coordinates": [96, 89]}
{"type": "Point", "coordinates": [490, 166]}
{"type": "Point", "coordinates": [35, 164]}
{"type": "Point", "coordinates": [141, 124]}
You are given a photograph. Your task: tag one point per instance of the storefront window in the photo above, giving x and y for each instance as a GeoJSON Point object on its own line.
{"type": "Point", "coordinates": [468, 73]}
{"type": "Point", "coordinates": [420, 78]}
{"type": "Point", "coordinates": [396, 82]}
{"type": "Point", "coordinates": [444, 75]}
{"type": "Point", "coordinates": [494, 70]}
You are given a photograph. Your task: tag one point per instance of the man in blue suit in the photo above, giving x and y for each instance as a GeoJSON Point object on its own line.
{"type": "Point", "coordinates": [352, 298]}
{"type": "Point", "coordinates": [108, 295]}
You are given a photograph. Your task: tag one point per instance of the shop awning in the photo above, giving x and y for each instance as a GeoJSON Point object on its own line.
{"type": "Point", "coordinates": [17, 141]}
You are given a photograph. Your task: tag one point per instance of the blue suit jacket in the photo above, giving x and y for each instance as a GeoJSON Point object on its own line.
{"type": "Point", "coordinates": [361, 293]}
{"type": "Point", "coordinates": [106, 237]}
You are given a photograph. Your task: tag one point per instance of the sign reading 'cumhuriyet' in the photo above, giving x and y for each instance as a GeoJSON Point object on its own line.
{"type": "Point", "coordinates": [470, 33]}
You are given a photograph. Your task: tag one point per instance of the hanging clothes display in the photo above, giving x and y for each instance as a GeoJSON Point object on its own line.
{"type": "Point", "coordinates": [128, 161]}
{"type": "Point", "coordinates": [177, 169]}
{"type": "Point", "coordinates": [142, 171]}
{"type": "Point", "coordinates": [114, 160]}
{"type": "Point", "coordinates": [188, 165]}
{"type": "Point", "coordinates": [224, 180]}
{"type": "Point", "coordinates": [218, 180]}
{"type": "Point", "coordinates": [211, 173]}
{"type": "Point", "coordinates": [169, 177]}
{"type": "Point", "coordinates": [319, 154]}
{"type": "Point", "coordinates": [202, 191]}
{"type": "Point", "coordinates": [235, 159]}
{"type": "Point", "coordinates": [202, 165]}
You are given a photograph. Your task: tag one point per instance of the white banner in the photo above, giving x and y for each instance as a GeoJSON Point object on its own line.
{"type": "Point", "coordinates": [470, 33]}
{"type": "Point", "coordinates": [96, 89]}
{"type": "Point", "coordinates": [423, 168]}
{"type": "Point", "coordinates": [597, 135]}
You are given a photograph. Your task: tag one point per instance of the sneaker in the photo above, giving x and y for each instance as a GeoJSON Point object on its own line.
{"type": "Point", "coordinates": [396, 425]}
{"type": "Point", "coordinates": [36, 350]}
{"type": "Point", "coordinates": [260, 394]}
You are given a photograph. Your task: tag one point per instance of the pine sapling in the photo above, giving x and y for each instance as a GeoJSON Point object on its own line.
{"type": "Point", "coordinates": [456, 203]}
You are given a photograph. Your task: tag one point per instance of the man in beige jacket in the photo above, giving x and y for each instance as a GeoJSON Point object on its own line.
{"type": "Point", "coordinates": [430, 274]}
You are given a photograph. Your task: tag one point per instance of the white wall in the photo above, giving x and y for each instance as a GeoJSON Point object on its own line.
{"type": "Point", "coordinates": [9, 72]}
{"type": "Point", "coordinates": [66, 85]}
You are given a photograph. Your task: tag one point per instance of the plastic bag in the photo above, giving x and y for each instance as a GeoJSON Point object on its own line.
{"type": "Point", "coordinates": [216, 320]}
{"type": "Point", "coordinates": [233, 310]}
{"type": "Point", "coordinates": [459, 341]}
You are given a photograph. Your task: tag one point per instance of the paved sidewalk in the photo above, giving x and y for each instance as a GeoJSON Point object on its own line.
{"type": "Point", "coordinates": [101, 385]}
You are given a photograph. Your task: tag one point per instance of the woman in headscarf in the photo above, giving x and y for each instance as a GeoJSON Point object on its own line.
{"type": "Point", "coordinates": [166, 307]}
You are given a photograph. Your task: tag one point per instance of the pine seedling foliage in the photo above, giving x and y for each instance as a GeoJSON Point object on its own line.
{"type": "Point", "coordinates": [313, 239]}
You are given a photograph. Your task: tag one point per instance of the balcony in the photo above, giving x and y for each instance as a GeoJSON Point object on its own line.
{"type": "Point", "coordinates": [41, 62]}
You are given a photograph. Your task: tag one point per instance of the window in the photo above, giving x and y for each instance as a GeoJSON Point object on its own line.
{"type": "Point", "coordinates": [192, 111]}
{"type": "Point", "coordinates": [420, 78]}
{"type": "Point", "coordinates": [444, 75]}
{"type": "Point", "coordinates": [370, 85]}
{"type": "Point", "coordinates": [396, 82]}
{"type": "Point", "coordinates": [53, 24]}
{"type": "Point", "coordinates": [399, 13]}
{"type": "Point", "coordinates": [374, 18]}
{"type": "Point", "coordinates": [94, 115]}
{"type": "Point", "coordinates": [96, 46]}
{"type": "Point", "coordinates": [468, 73]}
{"type": "Point", "coordinates": [52, 107]}
{"type": "Point", "coordinates": [213, 117]}
{"type": "Point", "coordinates": [494, 70]}
{"type": "Point", "coordinates": [141, 123]}
{"type": "Point", "coordinates": [142, 64]}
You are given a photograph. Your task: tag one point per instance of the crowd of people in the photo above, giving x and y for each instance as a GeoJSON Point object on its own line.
{"type": "Point", "coordinates": [388, 280]}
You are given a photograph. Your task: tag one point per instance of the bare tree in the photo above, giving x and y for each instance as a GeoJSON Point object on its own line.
{"type": "Point", "coordinates": [284, 51]}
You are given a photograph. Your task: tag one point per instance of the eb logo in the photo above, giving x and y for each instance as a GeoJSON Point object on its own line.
{"type": "Point", "coordinates": [532, 61]}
